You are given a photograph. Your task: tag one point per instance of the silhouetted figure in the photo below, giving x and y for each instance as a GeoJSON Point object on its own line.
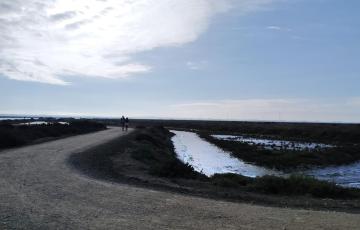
{"type": "Point", "coordinates": [122, 122]}
{"type": "Point", "coordinates": [126, 123]}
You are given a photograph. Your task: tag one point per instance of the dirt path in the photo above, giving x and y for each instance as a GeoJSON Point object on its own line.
{"type": "Point", "coordinates": [39, 191]}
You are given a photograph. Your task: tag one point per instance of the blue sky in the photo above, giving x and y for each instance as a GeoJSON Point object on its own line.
{"type": "Point", "coordinates": [238, 60]}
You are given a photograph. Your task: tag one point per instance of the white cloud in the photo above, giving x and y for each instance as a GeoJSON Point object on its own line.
{"type": "Point", "coordinates": [43, 40]}
{"type": "Point", "coordinates": [307, 110]}
{"type": "Point", "coordinates": [196, 65]}
{"type": "Point", "coordinates": [254, 109]}
{"type": "Point", "coordinates": [278, 28]}
{"type": "Point", "coordinates": [273, 28]}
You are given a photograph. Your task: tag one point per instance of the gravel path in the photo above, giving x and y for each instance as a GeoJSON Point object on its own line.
{"type": "Point", "coordinates": [38, 190]}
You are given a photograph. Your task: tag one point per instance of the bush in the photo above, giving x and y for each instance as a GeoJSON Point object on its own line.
{"type": "Point", "coordinates": [9, 140]}
{"type": "Point", "coordinates": [143, 153]}
{"type": "Point", "coordinates": [174, 168]}
{"type": "Point", "coordinates": [142, 137]}
{"type": "Point", "coordinates": [230, 180]}
{"type": "Point", "coordinates": [302, 185]}
{"type": "Point", "coordinates": [153, 146]}
{"type": "Point", "coordinates": [17, 135]}
{"type": "Point", "coordinates": [297, 185]}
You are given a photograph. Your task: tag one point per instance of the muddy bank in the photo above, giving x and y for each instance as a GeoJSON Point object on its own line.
{"type": "Point", "coordinates": [128, 160]}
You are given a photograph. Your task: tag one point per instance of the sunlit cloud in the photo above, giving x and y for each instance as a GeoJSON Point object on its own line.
{"type": "Point", "coordinates": [278, 28]}
{"type": "Point", "coordinates": [273, 28]}
{"type": "Point", "coordinates": [43, 40]}
{"type": "Point", "coordinates": [47, 40]}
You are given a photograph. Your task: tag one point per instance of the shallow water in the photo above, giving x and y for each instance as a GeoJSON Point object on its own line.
{"type": "Point", "coordinates": [273, 144]}
{"type": "Point", "coordinates": [209, 159]}
{"type": "Point", "coordinates": [347, 175]}
{"type": "Point", "coordinates": [35, 123]}
{"type": "Point", "coordinates": [13, 118]}
{"type": "Point", "coordinates": [43, 123]}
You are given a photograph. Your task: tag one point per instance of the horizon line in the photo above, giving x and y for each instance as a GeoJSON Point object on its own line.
{"type": "Point", "coordinates": [166, 118]}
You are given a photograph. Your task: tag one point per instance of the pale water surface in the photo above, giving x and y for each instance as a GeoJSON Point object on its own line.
{"type": "Point", "coordinates": [14, 118]}
{"type": "Point", "coordinates": [273, 144]}
{"type": "Point", "coordinates": [43, 123]}
{"type": "Point", "coordinates": [347, 175]}
{"type": "Point", "coordinates": [209, 159]}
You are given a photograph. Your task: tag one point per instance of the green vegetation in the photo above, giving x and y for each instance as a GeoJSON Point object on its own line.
{"type": "Point", "coordinates": [308, 132]}
{"type": "Point", "coordinates": [346, 138]}
{"type": "Point", "coordinates": [288, 159]}
{"type": "Point", "coordinates": [151, 148]}
{"type": "Point", "coordinates": [155, 149]}
{"type": "Point", "coordinates": [147, 154]}
{"type": "Point", "coordinates": [18, 135]}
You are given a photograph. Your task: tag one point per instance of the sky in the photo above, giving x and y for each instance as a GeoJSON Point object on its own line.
{"type": "Point", "coordinates": [272, 60]}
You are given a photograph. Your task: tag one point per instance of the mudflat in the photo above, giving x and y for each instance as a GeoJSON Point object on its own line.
{"type": "Point", "coordinates": [39, 190]}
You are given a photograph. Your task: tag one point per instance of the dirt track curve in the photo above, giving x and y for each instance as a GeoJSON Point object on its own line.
{"type": "Point", "coordinates": [38, 190]}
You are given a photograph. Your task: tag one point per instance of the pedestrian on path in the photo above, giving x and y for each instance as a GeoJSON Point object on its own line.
{"type": "Point", "coordinates": [126, 123]}
{"type": "Point", "coordinates": [122, 122]}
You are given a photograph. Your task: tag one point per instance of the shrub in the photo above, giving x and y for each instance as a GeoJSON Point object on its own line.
{"type": "Point", "coordinates": [10, 140]}
{"type": "Point", "coordinates": [173, 168]}
{"type": "Point", "coordinates": [153, 146]}
{"type": "Point", "coordinates": [230, 180]}
{"type": "Point", "coordinates": [17, 135]}
{"type": "Point", "coordinates": [301, 185]}
{"type": "Point", "coordinates": [143, 153]}
{"type": "Point", "coordinates": [297, 185]}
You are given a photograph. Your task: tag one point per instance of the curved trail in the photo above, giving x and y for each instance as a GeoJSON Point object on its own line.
{"type": "Point", "coordinates": [38, 190]}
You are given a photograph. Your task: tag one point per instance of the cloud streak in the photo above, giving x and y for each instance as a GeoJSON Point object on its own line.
{"type": "Point", "coordinates": [268, 109]}
{"type": "Point", "coordinates": [278, 28]}
{"type": "Point", "coordinates": [45, 40]}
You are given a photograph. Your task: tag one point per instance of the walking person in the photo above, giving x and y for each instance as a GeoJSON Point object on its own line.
{"type": "Point", "coordinates": [122, 122]}
{"type": "Point", "coordinates": [126, 123]}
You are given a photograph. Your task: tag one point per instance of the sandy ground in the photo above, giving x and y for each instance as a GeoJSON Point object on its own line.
{"type": "Point", "coordinates": [38, 190]}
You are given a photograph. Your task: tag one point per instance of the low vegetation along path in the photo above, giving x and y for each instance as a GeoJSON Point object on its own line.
{"type": "Point", "coordinates": [38, 190]}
